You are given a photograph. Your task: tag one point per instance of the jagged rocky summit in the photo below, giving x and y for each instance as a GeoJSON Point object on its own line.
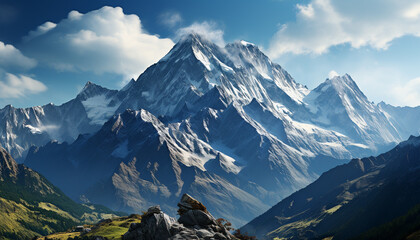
{"type": "Point", "coordinates": [195, 222]}
{"type": "Point", "coordinates": [204, 119]}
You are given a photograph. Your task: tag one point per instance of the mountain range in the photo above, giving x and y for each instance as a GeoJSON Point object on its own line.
{"type": "Point", "coordinates": [222, 123]}
{"type": "Point", "coordinates": [368, 198]}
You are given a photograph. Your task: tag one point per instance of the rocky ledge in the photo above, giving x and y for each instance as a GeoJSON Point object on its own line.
{"type": "Point", "coordinates": [194, 222]}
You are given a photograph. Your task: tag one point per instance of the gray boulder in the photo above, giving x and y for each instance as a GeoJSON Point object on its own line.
{"type": "Point", "coordinates": [195, 222]}
{"type": "Point", "coordinates": [155, 225]}
{"type": "Point", "coordinates": [196, 217]}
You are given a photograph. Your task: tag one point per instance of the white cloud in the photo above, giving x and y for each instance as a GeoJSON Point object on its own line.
{"type": "Point", "coordinates": [322, 24]}
{"type": "Point", "coordinates": [407, 94]}
{"type": "Point", "coordinates": [306, 11]}
{"type": "Point", "coordinates": [413, 12]}
{"type": "Point", "coordinates": [170, 19]}
{"type": "Point", "coordinates": [206, 29]}
{"type": "Point", "coordinates": [11, 57]}
{"type": "Point", "coordinates": [101, 41]}
{"type": "Point", "coordinates": [333, 74]}
{"type": "Point", "coordinates": [42, 29]}
{"type": "Point", "coordinates": [13, 86]}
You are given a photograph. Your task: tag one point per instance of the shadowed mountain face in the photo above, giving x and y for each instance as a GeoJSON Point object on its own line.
{"type": "Point", "coordinates": [31, 206]}
{"type": "Point", "coordinates": [224, 124]}
{"type": "Point", "coordinates": [348, 200]}
{"type": "Point", "coordinates": [142, 162]}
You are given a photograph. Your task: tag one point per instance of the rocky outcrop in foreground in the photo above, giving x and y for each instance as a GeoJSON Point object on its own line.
{"type": "Point", "coordinates": [195, 222]}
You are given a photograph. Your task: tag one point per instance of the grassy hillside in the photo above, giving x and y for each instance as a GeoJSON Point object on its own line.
{"type": "Point", "coordinates": [25, 214]}
{"type": "Point", "coordinates": [21, 220]}
{"type": "Point", "coordinates": [31, 206]}
{"type": "Point", "coordinates": [376, 196]}
{"type": "Point", "coordinates": [111, 229]}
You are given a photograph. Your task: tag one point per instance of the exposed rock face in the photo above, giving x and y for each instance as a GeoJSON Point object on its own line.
{"type": "Point", "coordinates": [195, 222]}
{"type": "Point", "coordinates": [154, 225]}
{"type": "Point", "coordinates": [188, 203]}
{"type": "Point", "coordinates": [204, 120]}
{"type": "Point", "coordinates": [22, 128]}
{"type": "Point", "coordinates": [8, 166]}
{"type": "Point", "coordinates": [350, 201]}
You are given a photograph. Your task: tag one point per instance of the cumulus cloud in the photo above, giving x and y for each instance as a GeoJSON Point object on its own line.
{"type": "Point", "coordinates": [208, 30]}
{"type": "Point", "coordinates": [16, 86]}
{"type": "Point", "coordinates": [333, 74]}
{"type": "Point", "coordinates": [407, 94]}
{"type": "Point", "coordinates": [170, 19]}
{"type": "Point", "coordinates": [321, 24]}
{"type": "Point", "coordinates": [101, 41]}
{"type": "Point", "coordinates": [413, 12]}
{"type": "Point", "coordinates": [11, 57]}
{"type": "Point", "coordinates": [47, 26]}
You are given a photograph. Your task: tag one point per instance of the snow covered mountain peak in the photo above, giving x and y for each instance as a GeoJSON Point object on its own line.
{"type": "Point", "coordinates": [8, 107]}
{"type": "Point", "coordinates": [194, 38]}
{"type": "Point", "coordinates": [91, 89]}
{"type": "Point", "coordinates": [23, 127]}
{"type": "Point", "coordinates": [196, 46]}
{"type": "Point", "coordinates": [272, 76]}
{"type": "Point", "coordinates": [340, 105]}
{"type": "Point", "coordinates": [245, 54]}
{"type": "Point", "coordinates": [245, 43]}
{"type": "Point", "coordinates": [195, 65]}
{"type": "Point", "coordinates": [205, 119]}
{"type": "Point", "coordinates": [341, 83]}
{"type": "Point", "coordinates": [345, 88]}
{"type": "Point", "coordinates": [131, 121]}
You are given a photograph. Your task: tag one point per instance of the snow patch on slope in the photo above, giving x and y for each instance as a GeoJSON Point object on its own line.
{"type": "Point", "coordinates": [34, 130]}
{"type": "Point", "coordinates": [246, 44]}
{"type": "Point", "coordinates": [233, 161]}
{"type": "Point", "coordinates": [98, 109]}
{"type": "Point", "coordinates": [202, 58]}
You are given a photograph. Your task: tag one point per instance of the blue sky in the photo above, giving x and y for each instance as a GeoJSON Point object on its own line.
{"type": "Point", "coordinates": [50, 49]}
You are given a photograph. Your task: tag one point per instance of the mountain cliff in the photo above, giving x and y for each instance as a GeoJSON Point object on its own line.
{"type": "Point", "coordinates": [194, 68]}
{"type": "Point", "coordinates": [349, 200]}
{"type": "Point", "coordinates": [339, 104]}
{"type": "Point", "coordinates": [206, 119]}
{"type": "Point", "coordinates": [23, 127]}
